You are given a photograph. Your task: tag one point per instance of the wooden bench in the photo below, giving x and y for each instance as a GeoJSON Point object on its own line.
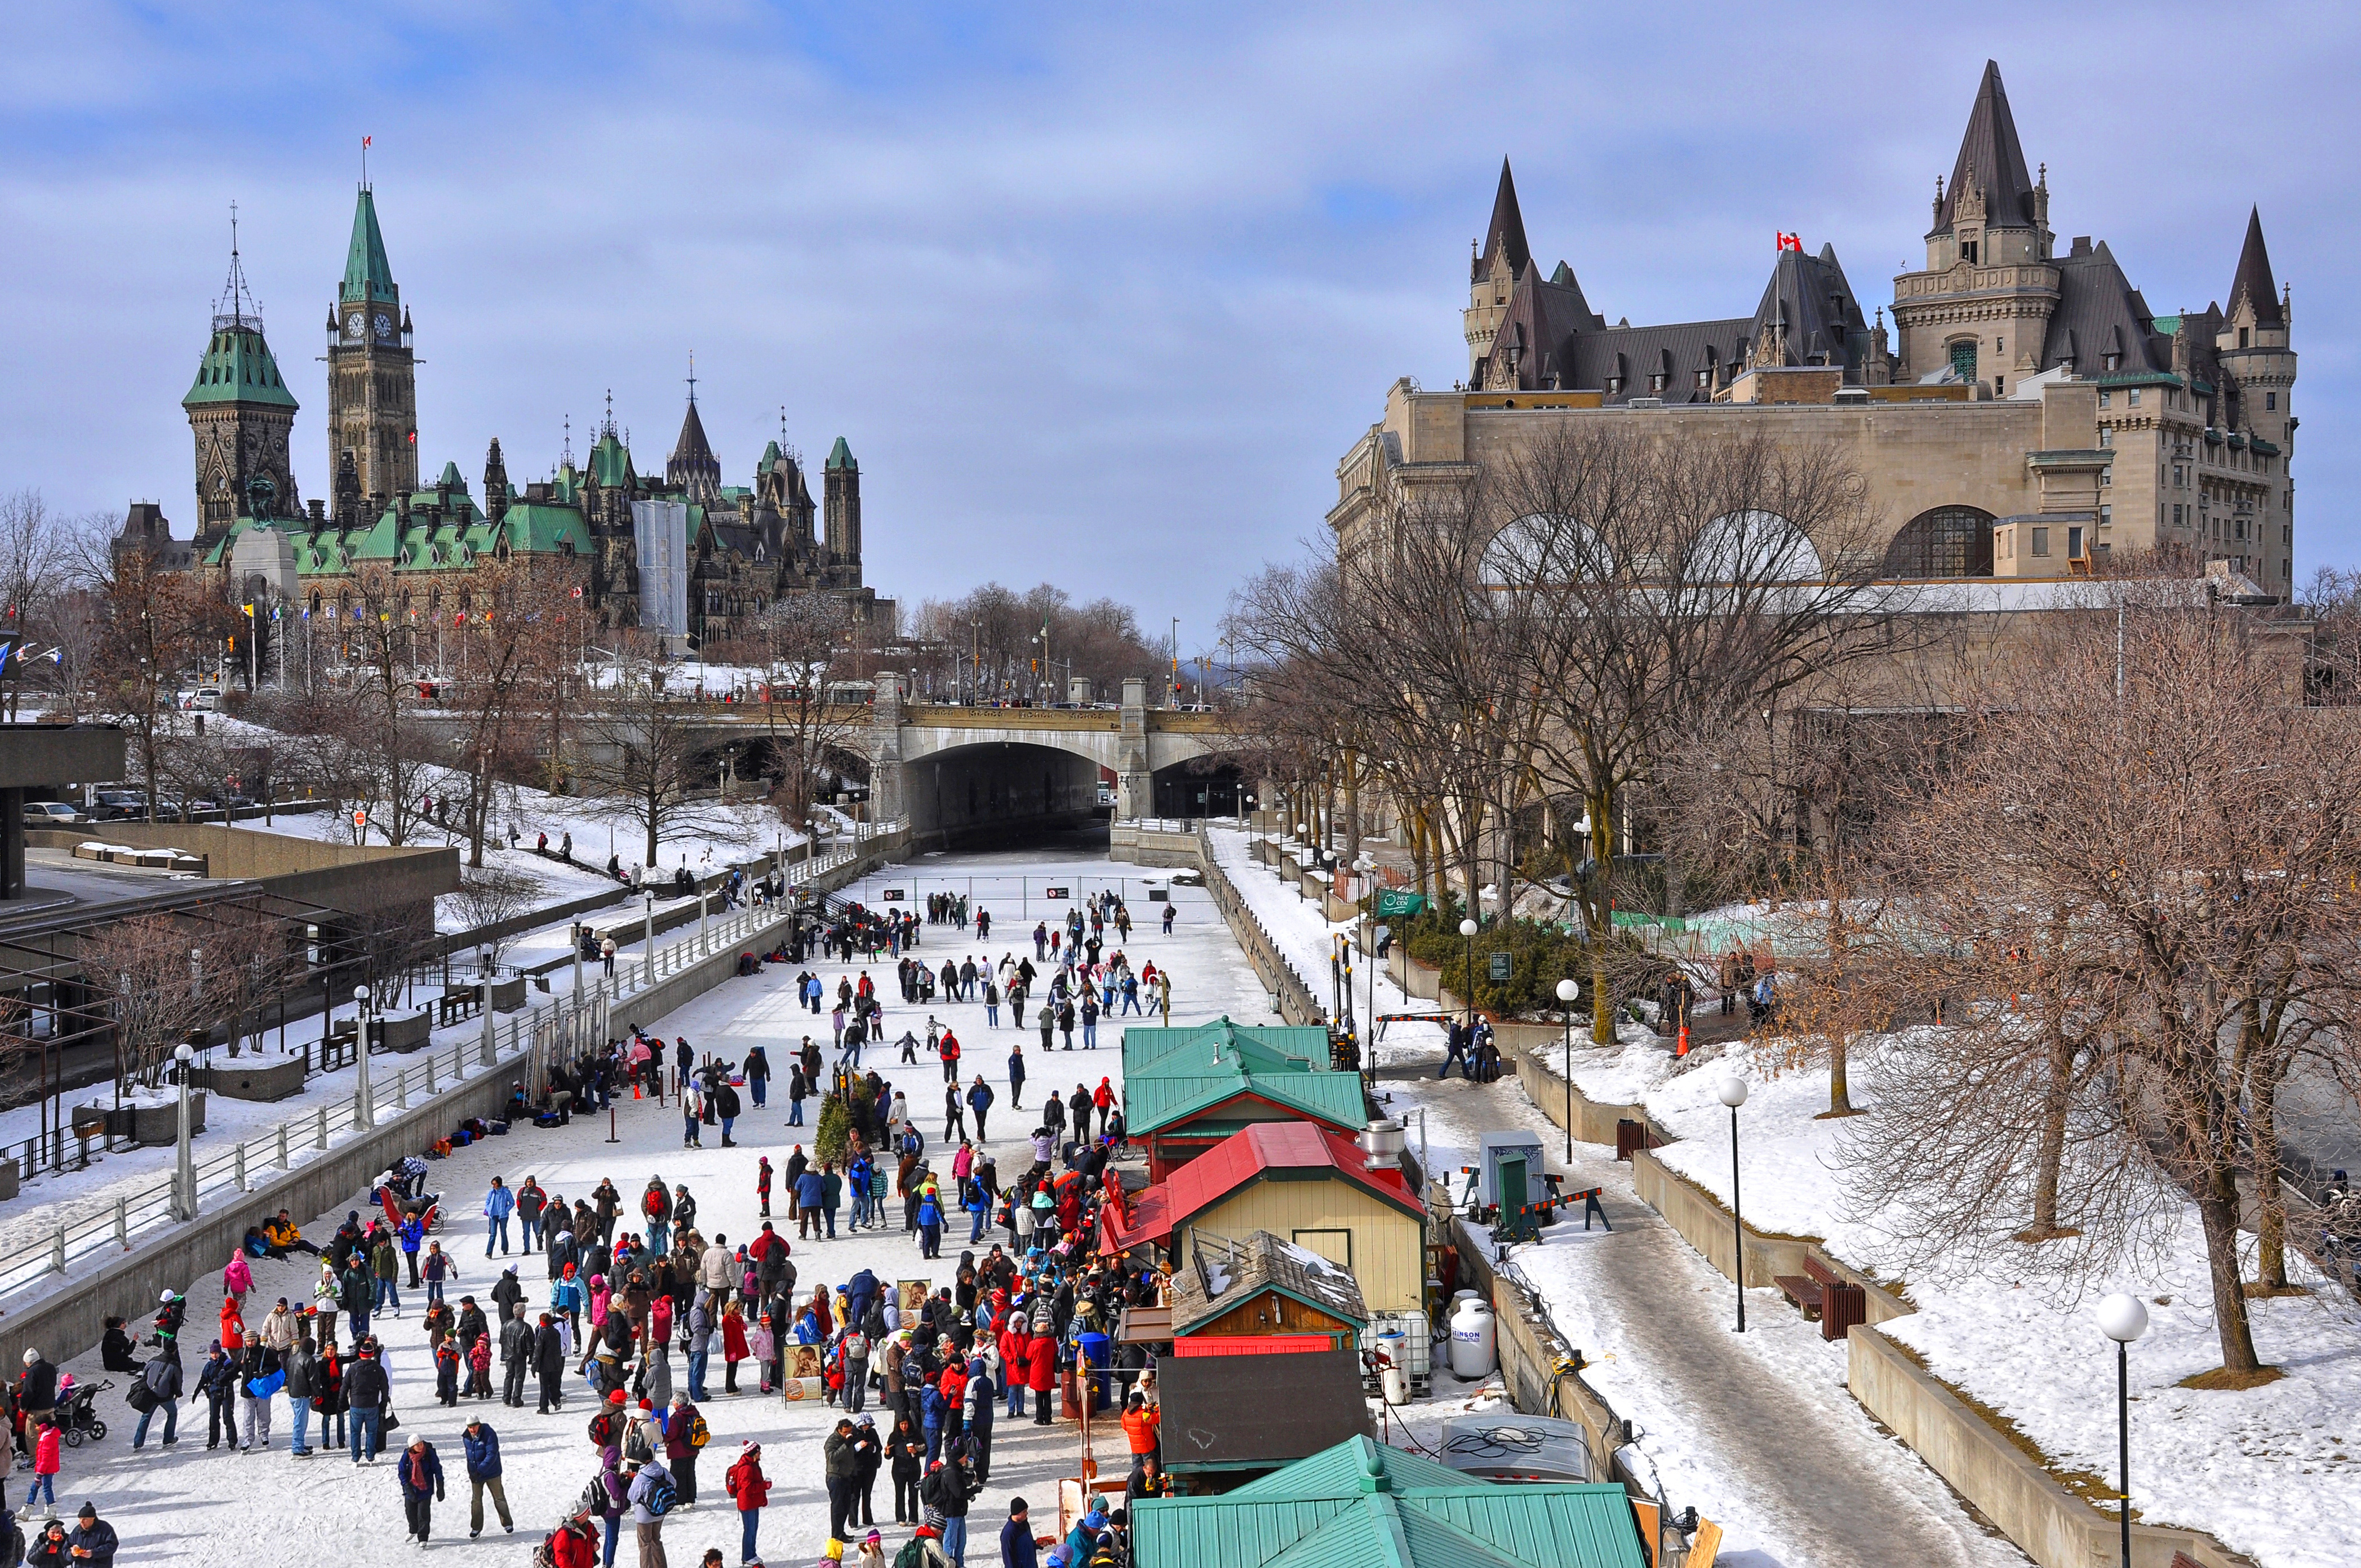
{"type": "Point", "coordinates": [458, 1004]}
{"type": "Point", "coordinates": [1826, 1296]}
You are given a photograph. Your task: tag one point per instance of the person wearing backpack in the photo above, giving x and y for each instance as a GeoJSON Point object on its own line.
{"type": "Point", "coordinates": [652, 1497]}
{"type": "Point", "coordinates": [749, 1489]}
{"type": "Point", "coordinates": [656, 1207]}
{"type": "Point", "coordinates": [685, 1435]}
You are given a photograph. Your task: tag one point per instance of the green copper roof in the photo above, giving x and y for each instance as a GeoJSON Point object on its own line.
{"type": "Point", "coordinates": [449, 479]}
{"type": "Point", "coordinates": [367, 275]}
{"type": "Point", "coordinates": [1152, 1104]}
{"type": "Point", "coordinates": [538, 528]}
{"type": "Point", "coordinates": [611, 461]}
{"type": "Point", "coordinates": [237, 369]}
{"type": "Point", "coordinates": [1261, 1047]}
{"type": "Point", "coordinates": [770, 456]}
{"type": "Point", "coordinates": [1359, 1505]}
{"type": "Point", "coordinates": [841, 455]}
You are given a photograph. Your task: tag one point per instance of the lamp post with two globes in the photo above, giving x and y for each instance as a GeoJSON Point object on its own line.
{"type": "Point", "coordinates": [184, 1169]}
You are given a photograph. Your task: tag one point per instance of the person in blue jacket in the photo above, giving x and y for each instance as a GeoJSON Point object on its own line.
{"type": "Point", "coordinates": [420, 1472]}
{"type": "Point", "coordinates": [413, 1235]}
{"type": "Point", "coordinates": [931, 1222]}
{"type": "Point", "coordinates": [932, 1407]}
{"type": "Point", "coordinates": [498, 1204]}
{"type": "Point", "coordinates": [483, 1449]}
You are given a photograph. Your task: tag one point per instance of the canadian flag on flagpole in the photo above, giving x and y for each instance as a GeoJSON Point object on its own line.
{"type": "Point", "coordinates": [1791, 242]}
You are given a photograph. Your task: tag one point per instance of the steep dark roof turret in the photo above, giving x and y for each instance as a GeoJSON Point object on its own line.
{"type": "Point", "coordinates": [1991, 158]}
{"type": "Point", "coordinates": [2254, 280]}
{"type": "Point", "coordinates": [1506, 234]}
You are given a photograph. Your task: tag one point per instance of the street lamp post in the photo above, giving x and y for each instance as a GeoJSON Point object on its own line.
{"type": "Point", "coordinates": [2123, 1318]}
{"type": "Point", "coordinates": [364, 1103]}
{"type": "Point", "coordinates": [1567, 992]}
{"type": "Point", "coordinates": [184, 1169]}
{"type": "Point", "coordinates": [577, 964]}
{"type": "Point", "coordinates": [1732, 1093]}
{"type": "Point", "coordinates": [650, 977]}
{"type": "Point", "coordinates": [1467, 929]}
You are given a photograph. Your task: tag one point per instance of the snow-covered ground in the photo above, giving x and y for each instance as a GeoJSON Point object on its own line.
{"type": "Point", "coordinates": [188, 1506]}
{"type": "Point", "coordinates": [1757, 1433]}
{"type": "Point", "coordinates": [2270, 1470]}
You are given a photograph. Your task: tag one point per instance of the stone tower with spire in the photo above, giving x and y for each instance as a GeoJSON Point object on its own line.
{"type": "Point", "coordinates": [2252, 345]}
{"type": "Point", "coordinates": [1494, 271]}
{"type": "Point", "coordinates": [840, 518]}
{"type": "Point", "coordinates": [692, 468]}
{"type": "Point", "coordinates": [241, 413]}
{"type": "Point", "coordinates": [1983, 307]}
{"type": "Point", "coordinates": [372, 378]}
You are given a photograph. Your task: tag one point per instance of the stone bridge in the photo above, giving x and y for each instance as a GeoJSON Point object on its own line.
{"type": "Point", "coordinates": [959, 773]}
{"type": "Point", "coordinates": [955, 771]}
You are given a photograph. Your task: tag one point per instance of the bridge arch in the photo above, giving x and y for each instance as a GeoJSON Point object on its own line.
{"type": "Point", "coordinates": [961, 793]}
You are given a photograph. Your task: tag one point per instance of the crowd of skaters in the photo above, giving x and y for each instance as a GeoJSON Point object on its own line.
{"type": "Point", "coordinates": [634, 1283]}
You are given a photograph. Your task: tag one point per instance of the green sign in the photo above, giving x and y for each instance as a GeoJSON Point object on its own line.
{"type": "Point", "coordinates": [1396, 903]}
{"type": "Point", "coordinates": [1502, 963]}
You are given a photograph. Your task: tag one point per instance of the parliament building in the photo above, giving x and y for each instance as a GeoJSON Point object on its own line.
{"type": "Point", "coordinates": [2023, 415]}
{"type": "Point", "coordinates": [738, 547]}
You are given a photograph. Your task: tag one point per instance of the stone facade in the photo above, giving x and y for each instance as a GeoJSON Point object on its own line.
{"type": "Point", "coordinates": [2028, 415]}
{"type": "Point", "coordinates": [748, 545]}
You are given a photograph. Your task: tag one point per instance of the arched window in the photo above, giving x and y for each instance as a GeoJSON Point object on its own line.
{"type": "Point", "coordinates": [1949, 542]}
{"type": "Point", "coordinates": [1752, 547]}
{"type": "Point", "coordinates": [1539, 547]}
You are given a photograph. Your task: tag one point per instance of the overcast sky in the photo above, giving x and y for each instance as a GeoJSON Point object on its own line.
{"type": "Point", "coordinates": [1095, 297]}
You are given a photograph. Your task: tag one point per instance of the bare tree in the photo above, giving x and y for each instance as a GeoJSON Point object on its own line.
{"type": "Point", "coordinates": [143, 969]}
{"type": "Point", "coordinates": [2132, 895]}
{"type": "Point", "coordinates": [489, 898]}
{"type": "Point", "coordinates": [386, 758]}
{"type": "Point", "coordinates": [800, 641]}
{"type": "Point", "coordinates": [515, 651]}
{"type": "Point", "coordinates": [1667, 583]}
{"type": "Point", "coordinates": [645, 759]}
{"type": "Point", "coordinates": [155, 623]}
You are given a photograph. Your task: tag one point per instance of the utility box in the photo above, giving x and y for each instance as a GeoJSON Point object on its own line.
{"type": "Point", "coordinates": [1494, 1152]}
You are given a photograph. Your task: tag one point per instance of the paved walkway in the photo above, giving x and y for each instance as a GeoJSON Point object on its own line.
{"type": "Point", "coordinates": [1758, 1432]}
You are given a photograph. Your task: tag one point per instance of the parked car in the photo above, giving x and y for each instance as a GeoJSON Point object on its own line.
{"type": "Point", "coordinates": [205, 699]}
{"type": "Point", "coordinates": [50, 814]}
{"type": "Point", "coordinates": [118, 805]}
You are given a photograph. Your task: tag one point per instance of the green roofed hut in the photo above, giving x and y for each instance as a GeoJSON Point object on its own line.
{"type": "Point", "coordinates": [1186, 1090]}
{"type": "Point", "coordinates": [1362, 1504]}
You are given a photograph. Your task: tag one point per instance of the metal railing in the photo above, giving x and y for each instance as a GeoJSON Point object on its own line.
{"type": "Point", "coordinates": [529, 1039]}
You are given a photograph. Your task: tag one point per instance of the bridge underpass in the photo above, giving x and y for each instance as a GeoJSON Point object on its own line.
{"type": "Point", "coordinates": [989, 793]}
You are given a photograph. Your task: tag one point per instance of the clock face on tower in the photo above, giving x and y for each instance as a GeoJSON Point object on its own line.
{"type": "Point", "coordinates": [357, 326]}
{"type": "Point", "coordinates": [384, 328]}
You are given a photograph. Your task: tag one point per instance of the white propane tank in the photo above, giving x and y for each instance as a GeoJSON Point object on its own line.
{"type": "Point", "coordinates": [1471, 1339]}
{"type": "Point", "coordinates": [1394, 1381]}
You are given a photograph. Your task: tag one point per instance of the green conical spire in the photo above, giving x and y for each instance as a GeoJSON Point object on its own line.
{"type": "Point", "coordinates": [368, 277]}
{"type": "Point", "coordinates": [841, 455]}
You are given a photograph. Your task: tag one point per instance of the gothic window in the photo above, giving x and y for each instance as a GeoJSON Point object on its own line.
{"type": "Point", "coordinates": [1963, 360]}
{"type": "Point", "coordinates": [1947, 542]}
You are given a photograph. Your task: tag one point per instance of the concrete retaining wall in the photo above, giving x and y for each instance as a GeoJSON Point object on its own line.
{"type": "Point", "coordinates": [1139, 846]}
{"type": "Point", "coordinates": [2056, 1529]}
{"type": "Point", "coordinates": [69, 1322]}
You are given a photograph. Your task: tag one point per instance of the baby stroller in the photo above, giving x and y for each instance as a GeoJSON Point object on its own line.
{"type": "Point", "coordinates": [78, 1415]}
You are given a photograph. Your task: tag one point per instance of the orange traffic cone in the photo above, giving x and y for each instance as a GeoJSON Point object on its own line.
{"type": "Point", "coordinates": [1683, 1049]}
{"type": "Point", "coordinates": [635, 1088]}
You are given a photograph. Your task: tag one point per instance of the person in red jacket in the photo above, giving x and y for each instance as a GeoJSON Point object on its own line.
{"type": "Point", "coordinates": [1103, 1097]}
{"type": "Point", "coordinates": [1041, 1371]}
{"type": "Point", "coordinates": [577, 1548]}
{"type": "Point", "coordinates": [1013, 1345]}
{"type": "Point", "coordinates": [749, 1489]}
